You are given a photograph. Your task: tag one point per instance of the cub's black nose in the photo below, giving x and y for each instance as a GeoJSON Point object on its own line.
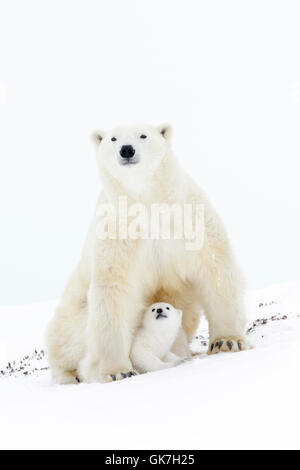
{"type": "Point", "coordinates": [159, 310]}
{"type": "Point", "coordinates": [127, 151]}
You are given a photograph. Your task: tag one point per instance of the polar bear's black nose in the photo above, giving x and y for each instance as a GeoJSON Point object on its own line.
{"type": "Point", "coordinates": [127, 151]}
{"type": "Point", "coordinates": [159, 310]}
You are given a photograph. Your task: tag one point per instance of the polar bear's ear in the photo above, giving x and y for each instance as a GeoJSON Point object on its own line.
{"type": "Point", "coordinates": [166, 131]}
{"type": "Point", "coordinates": [180, 313]}
{"type": "Point", "coordinates": [97, 137]}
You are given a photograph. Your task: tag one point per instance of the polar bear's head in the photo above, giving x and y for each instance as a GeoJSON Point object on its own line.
{"type": "Point", "coordinates": [162, 315]}
{"type": "Point", "coordinates": [132, 152]}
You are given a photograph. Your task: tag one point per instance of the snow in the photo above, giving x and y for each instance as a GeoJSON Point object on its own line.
{"type": "Point", "coordinates": [248, 400]}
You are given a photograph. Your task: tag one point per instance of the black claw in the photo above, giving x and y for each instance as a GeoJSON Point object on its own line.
{"type": "Point", "coordinates": [217, 344]}
{"type": "Point", "coordinates": [212, 347]}
{"type": "Point", "coordinates": [230, 345]}
{"type": "Point", "coordinates": [240, 346]}
{"type": "Point", "coordinates": [124, 375]}
{"type": "Point", "coordinates": [113, 377]}
{"type": "Point", "coordinates": [221, 344]}
{"type": "Point", "coordinates": [77, 379]}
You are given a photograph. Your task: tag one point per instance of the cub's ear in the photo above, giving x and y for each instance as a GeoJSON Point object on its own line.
{"type": "Point", "coordinates": [166, 131]}
{"type": "Point", "coordinates": [180, 313]}
{"type": "Point", "coordinates": [97, 137]}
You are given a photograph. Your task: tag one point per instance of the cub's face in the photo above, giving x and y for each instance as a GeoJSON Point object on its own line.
{"type": "Point", "coordinates": [162, 314]}
{"type": "Point", "coordinates": [131, 151]}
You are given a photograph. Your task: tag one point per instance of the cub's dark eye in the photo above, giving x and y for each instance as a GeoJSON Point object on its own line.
{"type": "Point", "coordinates": [153, 310]}
{"type": "Point", "coordinates": [168, 308]}
{"type": "Point", "coordinates": [113, 139]}
{"type": "Point", "coordinates": [143, 136]}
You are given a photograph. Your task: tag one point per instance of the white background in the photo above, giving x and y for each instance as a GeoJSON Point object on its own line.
{"type": "Point", "coordinates": [226, 75]}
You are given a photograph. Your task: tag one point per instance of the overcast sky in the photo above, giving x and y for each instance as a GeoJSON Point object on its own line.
{"type": "Point", "coordinates": [226, 75]}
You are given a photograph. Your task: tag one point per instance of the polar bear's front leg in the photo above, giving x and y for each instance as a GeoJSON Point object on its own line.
{"type": "Point", "coordinates": [227, 325]}
{"type": "Point", "coordinates": [111, 322]}
{"type": "Point", "coordinates": [114, 306]}
{"type": "Point", "coordinates": [223, 292]}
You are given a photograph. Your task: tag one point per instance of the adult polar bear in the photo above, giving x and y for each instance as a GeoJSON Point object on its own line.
{"type": "Point", "coordinates": [91, 333]}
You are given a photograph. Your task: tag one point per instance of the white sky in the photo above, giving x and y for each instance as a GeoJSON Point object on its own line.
{"type": "Point", "coordinates": [226, 75]}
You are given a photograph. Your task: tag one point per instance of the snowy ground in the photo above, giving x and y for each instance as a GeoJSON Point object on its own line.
{"type": "Point", "coordinates": [227, 401]}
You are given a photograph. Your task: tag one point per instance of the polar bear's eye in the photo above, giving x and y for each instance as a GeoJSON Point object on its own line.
{"type": "Point", "coordinates": [153, 310]}
{"type": "Point", "coordinates": [143, 136]}
{"type": "Point", "coordinates": [168, 308]}
{"type": "Point", "coordinates": [113, 139]}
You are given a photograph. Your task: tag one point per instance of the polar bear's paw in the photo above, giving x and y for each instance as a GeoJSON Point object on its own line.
{"type": "Point", "coordinates": [228, 345]}
{"type": "Point", "coordinates": [120, 375]}
{"type": "Point", "coordinates": [65, 377]}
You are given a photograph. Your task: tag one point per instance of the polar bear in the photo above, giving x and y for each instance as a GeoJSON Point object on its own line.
{"type": "Point", "coordinates": [118, 277]}
{"type": "Point", "coordinates": [153, 341]}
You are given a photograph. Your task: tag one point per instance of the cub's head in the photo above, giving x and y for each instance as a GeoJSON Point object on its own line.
{"type": "Point", "coordinates": [162, 315]}
{"type": "Point", "coordinates": [132, 150]}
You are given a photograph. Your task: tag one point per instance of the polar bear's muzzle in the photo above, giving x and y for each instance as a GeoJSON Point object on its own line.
{"type": "Point", "coordinates": [128, 155]}
{"type": "Point", "coordinates": [160, 314]}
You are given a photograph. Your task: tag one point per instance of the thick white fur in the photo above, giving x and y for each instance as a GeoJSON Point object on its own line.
{"type": "Point", "coordinates": [92, 331]}
{"type": "Point", "coordinates": [153, 341]}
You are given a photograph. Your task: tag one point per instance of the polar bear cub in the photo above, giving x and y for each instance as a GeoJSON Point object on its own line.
{"type": "Point", "coordinates": [151, 349]}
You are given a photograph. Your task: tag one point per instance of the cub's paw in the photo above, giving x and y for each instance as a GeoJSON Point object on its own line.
{"type": "Point", "coordinates": [173, 360]}
{"type": "Point", "coordinates": [120, 375]}
{"type": "Point", "coordinates": [228, 345]}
